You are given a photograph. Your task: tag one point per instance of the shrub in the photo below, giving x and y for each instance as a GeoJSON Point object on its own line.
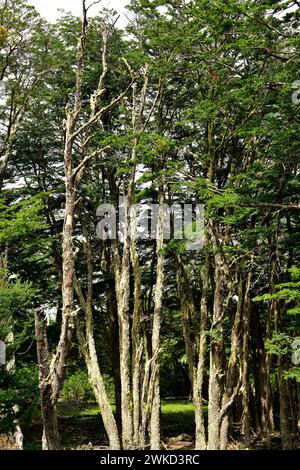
{"type": "Point", "coordinates": [77, 388]}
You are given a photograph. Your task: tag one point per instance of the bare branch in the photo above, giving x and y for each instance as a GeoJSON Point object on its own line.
{"type": "Point", "coordinates": [158, 94]}
{"type": "Point", "coordinates": [99, 92]}
{"type": "Point", "coordinates": [267, 205]}
{"type": "Point", "coordinates": [87, 158]}
{"type": "Point", "coordinates": [103, 110]}
{"type": "Point", "coordinates": [93, 4]}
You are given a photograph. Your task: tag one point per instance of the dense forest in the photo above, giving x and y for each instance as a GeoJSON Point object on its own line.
{"type": "Point", "coordinates": [188, 336]}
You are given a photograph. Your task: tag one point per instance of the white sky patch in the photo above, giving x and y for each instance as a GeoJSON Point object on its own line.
{"type": "Point", "coordinates": [50, 9]}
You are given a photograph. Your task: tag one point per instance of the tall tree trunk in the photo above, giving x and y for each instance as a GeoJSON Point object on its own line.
{"type": "Point", "coordinates": [258, 353]}
{"type": "Point", "coordinates": [285, 428]}
{"type": "Point", "coordinates": [155, 366]}
{"type": "Point", "coordinates": [188, 313]}
{"type": "Point", "coordinates": [50, 440]}
{"type": "Point", "coordinates": [216, 354]}
{"type": "Point", "coordinates": [232, 374]}
{"type": "Point", "coordinates": [113, 338]}
{"type": "Point", "coordinates": [245, 367]}
{"type": "Point", "coordinates": [268, 421]}
{"type": "Point", "coordinates": [196, 372]}
{"type": "Point", "coordinates": [58, 363]}
{"type": "Point", "coordinates": [123, 296]}
{"type": "Point", "coordinates": [200, 435]}
{"type": "Point", "coordinates": [137, 344]}
{"type": "Point", "coordinates": [284, 404]}
{"type": "Point", "coordinates": [88, 349]}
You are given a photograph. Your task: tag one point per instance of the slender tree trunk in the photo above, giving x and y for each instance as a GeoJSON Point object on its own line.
{"type": "Point", "coordinates": [257, 353]}
{"type": "Point", "coordinates": [113, 337]}
{"type": "Point", "coordinates": [292, 396]}
{"type": "Point", "coordinates": [55, 377]}
{"type": "Point", "coordinates": [137, 344]}
{"type": "Point", "coordinates": [268, 422]}
{"type": "Point", "coordinates": [123, 295]}
{"type": "Point", "coordinates": [216, 353]}
{"type": "Point", "coordinates": [50, 440]}
{"type": "Point", "coordinates": [155, 411]}
{"type": "Point", "coordinates": [245, 368]}
{"type": "Point", "coordinates": [298, 408]}
{"type": "Point", "coordinates": [285, 429]}
{"type": "Point", "coordinates": [188, 311]}
{"type": "Point", "coordinates": [200, 434]}
{"type": "Point", "coordinates": [259, 367]}
{"type": "Point", "coordinates": [232, 375]}
{"type": "Point", "coordinates": [284, 405]}
{"type": "Point", "coordinates": [196, 372]}
{"type": "Point", "coordinates": [88, 349]}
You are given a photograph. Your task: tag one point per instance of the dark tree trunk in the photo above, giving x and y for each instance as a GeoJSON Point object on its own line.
{"type": "Point", "coordinates": [113, 337]}
{"type": "Point", "coordinates": [51, 440]}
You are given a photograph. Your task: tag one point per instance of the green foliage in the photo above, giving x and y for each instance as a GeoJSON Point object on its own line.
{"type": "Point", "coordinates": [279, 345]}
{"type": "Point", "coordinates": [20, 219]}
{"type": "Point", "coordinates": [19, 396]}
{"type": "Point", "coordinates": [15, 296]}
{"type": "Point", "coordinates": [77, 388]}
{"type": "Point", "coordinates": [288, 292]}
{"type": "Point", "coordinates": [293, 373]}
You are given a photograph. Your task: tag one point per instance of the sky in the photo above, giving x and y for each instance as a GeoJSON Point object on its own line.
{"type": "Point", "coordinates": [49, 8]}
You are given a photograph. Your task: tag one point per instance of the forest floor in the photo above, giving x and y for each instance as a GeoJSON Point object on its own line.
{"type": "Point", "coordinates": [81, 428]}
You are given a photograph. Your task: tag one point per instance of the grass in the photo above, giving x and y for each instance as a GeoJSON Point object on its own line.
{"type": "Point", "coordinates": [177, 418]}
{"type": "Point", "coordinates": [81, 423]}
